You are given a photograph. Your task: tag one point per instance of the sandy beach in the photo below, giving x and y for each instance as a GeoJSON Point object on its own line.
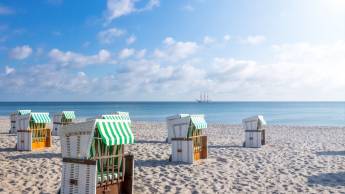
{"type": "Point", "coordinates": [296, 159]}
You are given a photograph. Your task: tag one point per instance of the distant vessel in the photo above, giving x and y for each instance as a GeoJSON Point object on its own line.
{"type": "Point", "coordinates": [203, 98]}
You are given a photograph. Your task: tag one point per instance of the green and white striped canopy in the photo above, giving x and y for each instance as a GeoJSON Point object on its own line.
{"type": "Point", "coordinates": [117, 117]}
{"type": "Point", "coordinates": [115, 132]}
{"type": "Point", "coordinates": [198, 121]}
{"type": "Point", "coordinates": [124, 115]}
{"type": "Point", "coordinates": [40, 117]}
{"type": "Point", "coordinates": [69, 114]}
{"type": "Point", "coordinates": [24, 112]}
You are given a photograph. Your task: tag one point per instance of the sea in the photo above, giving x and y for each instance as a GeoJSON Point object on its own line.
{"type": "Point", "coordinates": [278, 113]}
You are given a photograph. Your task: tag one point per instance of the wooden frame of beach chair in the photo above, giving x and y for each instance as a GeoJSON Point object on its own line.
{"type": "Point", "coordinates": [188, 142]}
{"type": "Point", "coordinates": [61, 119]}
{"type": "Point", "coordinates": [171, 121]}
{"type": "Point", "coordinates": [94, 159]}
{"type": "Point", "coordinates": [254, 131]}
{"type": "Point", "coordinates": [33, 133]}
{"type": "Point", "coordinates": [14, 117]}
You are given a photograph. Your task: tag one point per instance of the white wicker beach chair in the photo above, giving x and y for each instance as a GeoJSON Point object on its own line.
{"type": "Point", "coordinates": [61, 119]}
{"type": "Point", "coordinates": [254, 131]}
{"type": "Point", "coordinates": [33, 132]}
{"type": "Point", "coordinates": [187, 140]}
{"type": "Point", "coordinates": [13, 118]}
{"type": "Point", "coordinates": [94, 159]}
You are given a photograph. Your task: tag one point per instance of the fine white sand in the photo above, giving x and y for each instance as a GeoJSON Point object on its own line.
{"type": "Point", "coordinates": [296, 159]}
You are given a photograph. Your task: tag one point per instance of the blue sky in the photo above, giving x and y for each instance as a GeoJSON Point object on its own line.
{"type": "Point", "coordinates": [172, 50]}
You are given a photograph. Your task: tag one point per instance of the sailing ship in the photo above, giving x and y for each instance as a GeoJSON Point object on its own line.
{"type": "Point", "coordinates": [203, 98]}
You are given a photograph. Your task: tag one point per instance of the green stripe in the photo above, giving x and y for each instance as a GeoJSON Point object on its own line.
{"type": "Point", "coordinates": [108, 133]}
{"type": "Point", "coordinates": [199, 121]}
{"type": "Point", "coordinates": [40, 117]}
{"type": "Point", "coordinates": [124, 135]}
{"type": "Point", "coordinates": [69, 114]}
{"type": "Point", "coordinates": [114, 132]}
{"type": "Point", "coordinates": [24, 112]}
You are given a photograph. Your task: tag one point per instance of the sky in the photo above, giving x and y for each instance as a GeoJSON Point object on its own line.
{"type": "Point", "coordinates": [160, 50]}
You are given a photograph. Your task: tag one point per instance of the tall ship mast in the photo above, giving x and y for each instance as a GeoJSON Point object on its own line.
{"type": "Point", "coordinates": [203, 98]}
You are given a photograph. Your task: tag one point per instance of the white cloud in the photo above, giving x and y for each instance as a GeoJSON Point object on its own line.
{"type": "Point", "coordinates": [125, 53]}
{"type": "Point", "coordinates": [227, 38]}
{"type": "Point", "coordinates": [21, 52]}
{"type": "Point", "coordinates": [299, 71]}
{"type": "Point", "coordinates": [208, 40]}
{"type": "Point", "coordinates": [9, 70]}
{"type": "Point", "coordinates": [169, 41]}
{"type": "Point", "coordinates": [253, 40]}
{"type": "Point", "coordinates": [118, 8]}
{"type": "Point", "coordinates": [174, 51]}
{"type": "Point", "coordinates": [131, 39]}
{"type": "Point", "coordinates": [6, 10]}
{"type": "Point", "coordinates": [81, 73]}
{"type": "Point", "coordinates": [141, 53]}
{"type": "Point", "coordinates": [109, 35]}
{"type": "Point", "coordinates": [79, 60]}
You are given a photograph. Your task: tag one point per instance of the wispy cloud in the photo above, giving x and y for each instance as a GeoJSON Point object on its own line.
{"type": "Point", "coordinates": [77, 60]}
{"type": "Point", "coordinates": [6, 10]}
{"type": "Point", "coordinates": [109, 35]}
{"type": "Point", "coordinates": [9, 70]}
{"type": "Point", "coordinates": [125, 53]}
{"type": "Point", "coordinates": [227, 38]}
{"type": "Point", "coordinates": [131, 39]}
{"type": "Point", "coordinates": [21, 52]}
{"type": "Point", "coordinates": [188, 8]}
{"type": "Point", "coordinates": [176, 50]}
{"type": "Point", "coordinates": [56, 33]}
{"type": "Point", "coordinates": [208, 40]}
{"type": "Point", "coordinates": [298, 71]}
{"type": "Point", "coordinates": [118, 8]}
{"type": "Point", "coordinates": [253, 40]}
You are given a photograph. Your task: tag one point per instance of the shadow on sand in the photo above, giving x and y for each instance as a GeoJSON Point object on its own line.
{"type": "Point", "coordinates": [35, 155]}
{"type": "Point", "coordinates": [150, 141]}
{"type": "Point", "coordinates": [331, 153]}
{"type": "Point", "coordinates": [327, 179]}
{"type": "Point", "coordinates": [225, 146]}
{"type": "Point", "coordinates": [8, 149]}
{"type": "Point", "coordinates": [155, 163]}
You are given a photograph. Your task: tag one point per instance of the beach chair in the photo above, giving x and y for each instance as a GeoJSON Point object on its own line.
{"type": "Point", "coordinates": [94, 159]}
{"type": "Point", "coordinates": [171, 121]}
{"type": "Point", "coordinates": [33, 133]}
{"type": "Point", "coordinates": [254, 131]}
{"type": "Point", "coordinates": [124, 116]}
{"type": "Point", "coordinates": [61, 119]}
{"type": "Point", "coordinates": [116, 115]}
{"type": "Point", "coordinates": [187, 140]}
{"type": "Point", "coordinates": [13, 118]}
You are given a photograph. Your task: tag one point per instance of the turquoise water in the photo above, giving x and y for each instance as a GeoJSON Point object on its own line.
{"type": "Point", "coordinates": [292, 113]}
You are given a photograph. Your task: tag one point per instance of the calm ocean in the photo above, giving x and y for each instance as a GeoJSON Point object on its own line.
{"type": "Point", "coordinates": [292, 113]}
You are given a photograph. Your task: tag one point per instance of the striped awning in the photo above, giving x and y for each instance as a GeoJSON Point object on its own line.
{"type": "Point", "coordinates": [69, 114]}
{"type": "Point", "coordinates": [40, 117]}
{"type": "Point", "coordinates": [115, 132]}
{"type": "Point", "coordinates": [24, 112]}
{"type": "Point", "coordinates": [124, 115]}
{"type": "Point", "coordinates": [198, 121]}
{"type": "Point", "coordinates": [117, 117]}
